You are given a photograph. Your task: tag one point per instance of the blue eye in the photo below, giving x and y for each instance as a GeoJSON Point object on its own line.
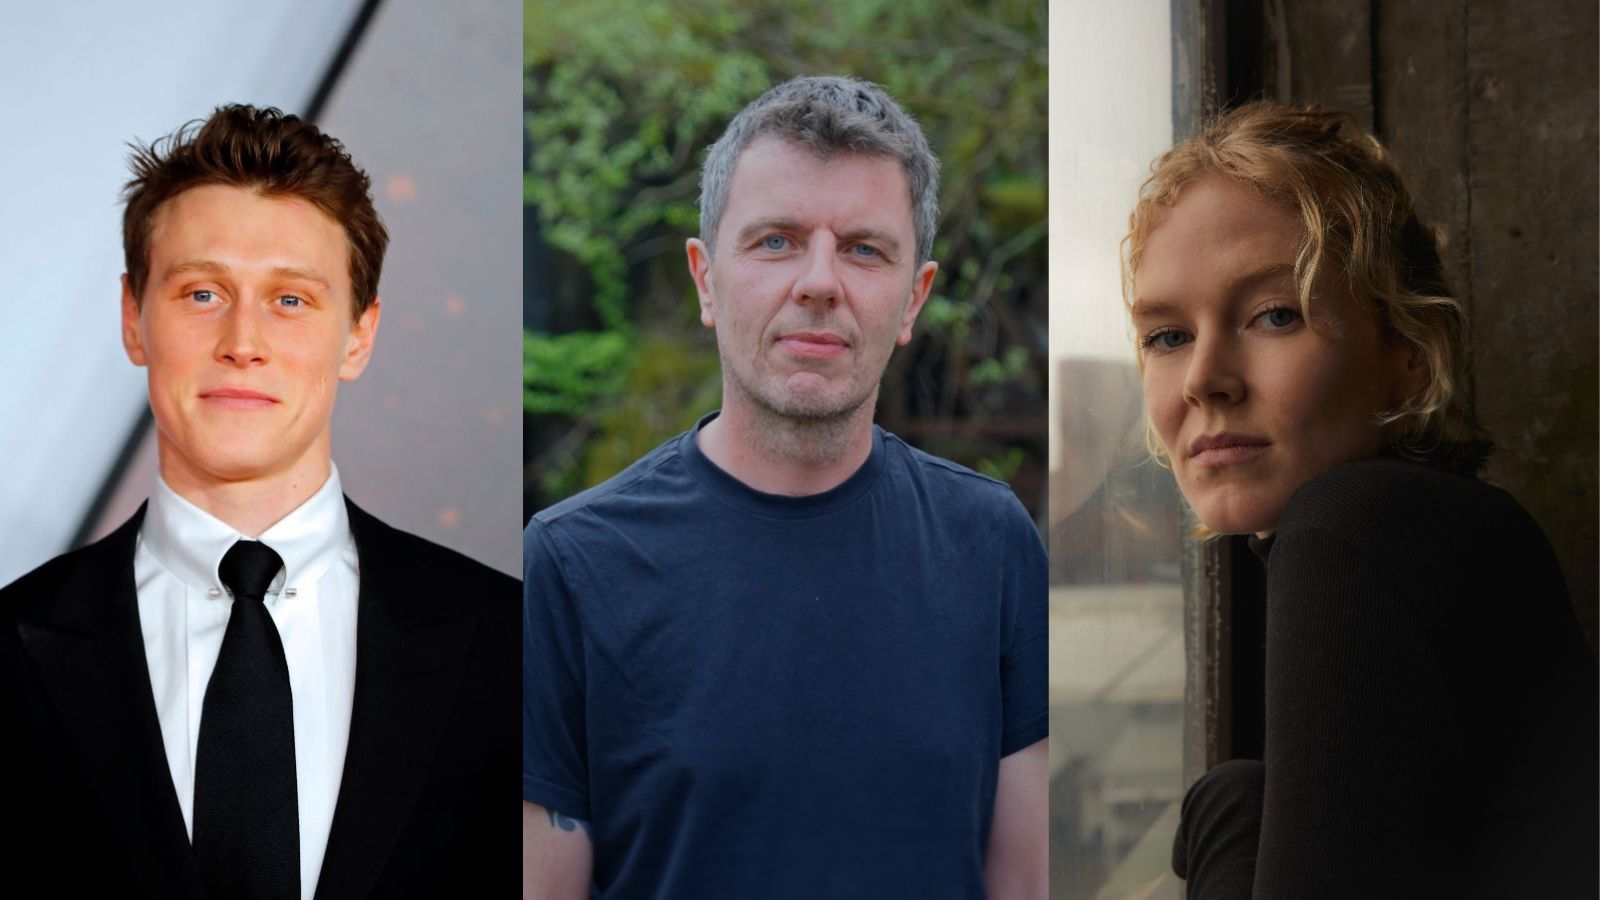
{"type": "Point", "coordinates": [203, 296]}
{"type": "Point", "coordinates": [1170, 339]}
{"type": "Point", "coordinates": [865, 250]}
{"type": "Point", "coordinates": [775, 242]}
{"type": "Point", "coordinates": [1279, 317]}
{"type": "Point", "coordinates": [291, 301]}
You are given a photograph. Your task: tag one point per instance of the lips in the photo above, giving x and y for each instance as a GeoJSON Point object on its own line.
{"type": "Point", "coordinates": [813, 344]}
{"type": "Point", "coordinates": [1227, 448]}
{"type": "Point", "coordinates": [238, 398]}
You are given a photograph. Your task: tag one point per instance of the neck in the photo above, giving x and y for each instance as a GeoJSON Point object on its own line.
{"type": "Point", "coordinates": [252, 504]}
{"type": "Point", "coordinates": [788, 456]}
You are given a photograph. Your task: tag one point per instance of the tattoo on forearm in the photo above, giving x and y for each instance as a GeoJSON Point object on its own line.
{"type": "Point", "coordinates": [567, 823]}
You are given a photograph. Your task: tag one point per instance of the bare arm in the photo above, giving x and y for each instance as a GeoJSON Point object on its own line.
{"type": "Point", "coordinates": [557, 855]}
{"type": "Point", "coordinates": [1018, 864]}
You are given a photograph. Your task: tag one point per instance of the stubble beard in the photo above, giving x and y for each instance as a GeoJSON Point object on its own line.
{"type": "Point", "coordinates": [814, 433]}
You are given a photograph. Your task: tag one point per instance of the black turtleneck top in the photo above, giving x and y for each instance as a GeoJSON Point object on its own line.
{"type": "Point", "coordinates": [1432, 712]}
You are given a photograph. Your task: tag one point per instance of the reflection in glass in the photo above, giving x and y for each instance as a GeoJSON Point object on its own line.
{"type": "Point", "coordinates": [1117, 668]}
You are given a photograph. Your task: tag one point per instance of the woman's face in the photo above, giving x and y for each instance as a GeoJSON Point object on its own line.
{"type": "Point", "coordinates": [1249, 400]}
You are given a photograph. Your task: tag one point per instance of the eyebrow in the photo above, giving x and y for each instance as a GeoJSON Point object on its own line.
{"type": "Point", "coordinates": [762, 226]}
{"type": "Point", "coordinates": [875, 236]}
{"type": "Point", "coordinates": [209, 267]}
{"type": "Point", "coordinates": [1251, 279]}
{"type": "Point", "coordinates": [1147, 309]}
{"type": "Point", "coordinates": [890, 243]}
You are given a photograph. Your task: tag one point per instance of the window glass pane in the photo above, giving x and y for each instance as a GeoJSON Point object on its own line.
{"type": "Point", "coordinates": [1116, 601]}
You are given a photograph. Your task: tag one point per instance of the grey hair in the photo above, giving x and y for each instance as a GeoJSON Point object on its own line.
{"type": "Point", "coordinates": [828, 115]}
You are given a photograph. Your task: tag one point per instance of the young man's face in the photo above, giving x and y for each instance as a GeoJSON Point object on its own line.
{"type": "Point", "coordinates": [814, 280]}
{"type": "Point", "coordinates": [246, 326]}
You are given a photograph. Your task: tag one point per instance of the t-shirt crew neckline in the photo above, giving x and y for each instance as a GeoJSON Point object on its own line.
{"type": "Point", "coordinates": [728, 488]}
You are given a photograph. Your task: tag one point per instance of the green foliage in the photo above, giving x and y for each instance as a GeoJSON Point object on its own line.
{"type": "Point", "coordinates": [672, 385]}
{"type": "Point", "coordinates": [1011, 366]}
{"type": "Point", "coordinates": [1003, 466]}
{"type": "Point", "coordinates": [669, 383]}
{"type": "Point", "coordinates": [621, 99]}
{"type": "Point", "coordinates": [562, 375]}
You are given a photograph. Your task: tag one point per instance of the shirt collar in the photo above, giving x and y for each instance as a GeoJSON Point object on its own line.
{"type": "Point", "coordinates": [190, 542]}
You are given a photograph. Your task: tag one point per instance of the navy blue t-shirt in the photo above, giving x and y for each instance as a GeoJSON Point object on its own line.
{"type": "Point", "coordinates": [750, 695]}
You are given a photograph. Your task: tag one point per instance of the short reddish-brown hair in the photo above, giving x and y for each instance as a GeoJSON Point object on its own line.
{"type": "Point", "coordinates": [278, 155]}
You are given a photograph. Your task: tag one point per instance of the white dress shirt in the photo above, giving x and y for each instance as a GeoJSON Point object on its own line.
{"type": "Point", "coordinates": [183, 612]}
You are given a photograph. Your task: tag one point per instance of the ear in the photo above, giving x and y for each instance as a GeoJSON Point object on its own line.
{"type": "Point", "coordinates": [921, 287]}
{"type": "Point", "coordinates": [700, 270]}
{"type": "Point", "coordinates": [132, 329]}
{"type": "Point", "coordinates": [1409, 369]}
{"type": "Point", "coordinates": [358, 347]}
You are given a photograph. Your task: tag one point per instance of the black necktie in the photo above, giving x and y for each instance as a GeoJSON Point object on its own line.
{"type": "Point", "coordinates": [246, 820]}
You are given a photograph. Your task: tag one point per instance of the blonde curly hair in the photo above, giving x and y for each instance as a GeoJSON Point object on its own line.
{"type": "Point", "coordinates": [1358, 223]}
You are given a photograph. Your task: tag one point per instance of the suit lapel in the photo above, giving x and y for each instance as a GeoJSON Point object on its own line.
{"type": "Point", "coordinates": [410, 652]}
{"type": "Point", "coordinates": [88, 651]}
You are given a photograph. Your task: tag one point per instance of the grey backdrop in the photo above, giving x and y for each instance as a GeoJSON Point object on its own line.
{"type": "Point", "coordinates": [429, 439]}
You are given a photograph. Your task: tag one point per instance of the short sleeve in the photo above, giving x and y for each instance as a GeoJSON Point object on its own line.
{"type": "Point", "coordinates": [555, 771]}
{"type": "Point", "coordinates": [1025, 646]}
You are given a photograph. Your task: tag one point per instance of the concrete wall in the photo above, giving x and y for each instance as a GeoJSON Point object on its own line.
{"type": "Point", "coordinates": [1492, 108]}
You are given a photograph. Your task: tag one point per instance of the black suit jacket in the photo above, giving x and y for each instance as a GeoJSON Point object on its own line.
{"type": "Point", "coordinates": [427, 804]}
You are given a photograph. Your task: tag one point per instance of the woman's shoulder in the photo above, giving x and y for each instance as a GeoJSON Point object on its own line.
{"type": "Point", "coordinates": [1406, 514]}
{"type": "Point", "coordinates": [1386, 494]}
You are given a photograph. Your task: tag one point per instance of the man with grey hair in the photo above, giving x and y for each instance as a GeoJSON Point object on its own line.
{"type": "Point", "coordinates": [785, 654]}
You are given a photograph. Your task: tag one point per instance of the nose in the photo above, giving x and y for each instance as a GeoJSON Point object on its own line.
{"type": "Point", "coordinates": [819, 280]}
{"type": "Point", "coordinates": [241, 340]}
{"type": "Point", "coordinates": [1213, 375]}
